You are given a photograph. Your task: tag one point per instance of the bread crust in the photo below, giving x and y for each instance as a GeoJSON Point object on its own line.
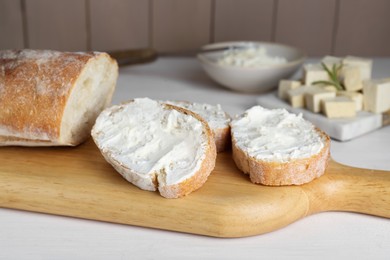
{"type": "Point", "coordinates": [294, 172]}
{"type": "Point", "coordinates": [222, 138]}
{"type": "Point", "coordinates": [35, 86]}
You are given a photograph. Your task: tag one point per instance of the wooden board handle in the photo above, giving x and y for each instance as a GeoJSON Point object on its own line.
{"type": "Point", "coordinates": [351, 189]}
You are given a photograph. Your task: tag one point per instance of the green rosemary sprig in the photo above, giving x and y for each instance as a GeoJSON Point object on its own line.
{"type": "Point", "coordinates": [333, 75]}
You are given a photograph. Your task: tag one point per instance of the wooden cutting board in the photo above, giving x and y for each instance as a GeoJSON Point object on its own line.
{"type": "Point", "coordinates": [77, 182]}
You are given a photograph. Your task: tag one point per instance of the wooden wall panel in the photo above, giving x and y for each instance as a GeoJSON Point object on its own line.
{"type": "Point", "coordinates": [119, 24]}
{"type": "Point", "coordinates": [243, 20]}
{"type": "Point", "coordinates": [320, 27]}
{"type": "Point", "coordinates": [363, 28]}
{"type": "Point", "coordinates": [307, 24]}
{"type": "Point", "coordinates": [57, 24]}
{"type": "Point", "coordinates": [11, 25]}
{"type": "Point", "coordinates": [179, 25]}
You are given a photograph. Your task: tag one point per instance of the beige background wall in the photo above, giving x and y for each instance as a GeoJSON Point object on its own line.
{"type": "Point", "coordinates": [339, 27]}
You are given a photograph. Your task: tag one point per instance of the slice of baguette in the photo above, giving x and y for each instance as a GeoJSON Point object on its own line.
{"type": "Point", "coordinates": [50, 98]}
{"type": "Point", "coordinates": [217, 119]}
{"type": "Point", "coordinates": [156, 146]}
{"type": "Point", "coordinates": [278, 148]}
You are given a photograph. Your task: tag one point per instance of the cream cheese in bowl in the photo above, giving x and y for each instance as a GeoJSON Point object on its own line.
{"type": "Point", "coordinates": [257, 68]}
{"type": "Point", "coordinates": [249, 56]}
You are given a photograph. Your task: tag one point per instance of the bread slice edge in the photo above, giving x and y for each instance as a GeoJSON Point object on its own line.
{"type": "Point", "coordinates": [293, 172]}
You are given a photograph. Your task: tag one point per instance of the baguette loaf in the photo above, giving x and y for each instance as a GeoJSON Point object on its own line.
{"type": "Point", "coordinates": [50, 98]}
{"type": "Point", "coordinates": [278, 148]}
{"type": "Point", "coordinates": [156, 146]}
{"type": "Point", "coordinates": [217, 119]}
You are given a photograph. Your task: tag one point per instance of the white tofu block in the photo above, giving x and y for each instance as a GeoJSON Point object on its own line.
{"type": "Point", "coordinates": [365, 65]}
{"type": "Point", "coordinates": [329, 61]}
{"type": "Point", "coordinates": [338, 107]}
{"type": "Point", "coordinates": [296, 97]}
{"type": "Point", "coordinates": [314, 72]}
{"type": "Point", "coordinates": [285, 85]}
{"type": "Point", "coordinates": [376, 95]}
{"type": "Point", "coordinates": [313, 98]}
{"type": "Point", "coordinates": [351, 77]}
{"type": "Point", "coordinates": [357, 97]}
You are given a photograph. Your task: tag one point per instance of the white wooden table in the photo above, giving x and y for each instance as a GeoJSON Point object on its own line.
{"type": "Point", "coordinates": [335, 235]}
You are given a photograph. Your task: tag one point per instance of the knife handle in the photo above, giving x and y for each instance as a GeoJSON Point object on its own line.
{"type": "Point", "coordinates": [135, 56]}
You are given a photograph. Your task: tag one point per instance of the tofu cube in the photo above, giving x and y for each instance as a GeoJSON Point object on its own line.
{"type": "Point", "coordinates": [314, 96]}
{"type": "Point", "coordinates": [296, 97]}
{"type": "Point", "coordinates": [357, 97]}
{"type": "Point", "coordinates": [285, 85]}
{"type": "Point", "coordinates": [338, 107]}
{"type": "Point", "coordinates": [329, 61]}
{"type": "Point", "coordinates": [365, 65]}
{"type": "Point", "coordinates": [376, 95]}
{"type": "Point", "coordinates": [314, 72]}
{"type": "Point", "coordinates": [351, 77]}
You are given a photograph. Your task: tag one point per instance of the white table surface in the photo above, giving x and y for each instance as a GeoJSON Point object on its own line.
{"type": "Point", "coordinates": [339, 235]}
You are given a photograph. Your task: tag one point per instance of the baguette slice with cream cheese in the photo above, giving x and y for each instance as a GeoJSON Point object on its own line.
{"type": "Point", "coordinates": [50, 98]}
{"type": "Point", "coordinates": [278, 148]}
{"type": "Point", "coordinates": [156, 146]}
{"type": "Point", "coordinates": [217, 119]}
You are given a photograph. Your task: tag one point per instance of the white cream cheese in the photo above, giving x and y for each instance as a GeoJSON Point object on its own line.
{"type": "Point", "coordinates": [213, 115]}
{"type": "Point", "coordinates": [275, 135]}
{"type": "Point", "coordinates": [250, 56]}
{"type": "Point", "coordinates": [151, 141]}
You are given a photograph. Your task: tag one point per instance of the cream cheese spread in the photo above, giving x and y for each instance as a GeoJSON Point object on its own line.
{"type": "Point", "coordinates": [250, 56]}
{"type": "Point", "coordinates": [152, 141]}
{"type": "Point", "coordinates": [275, 135]}
{"type": "Point", "coordinates": [213, 115]}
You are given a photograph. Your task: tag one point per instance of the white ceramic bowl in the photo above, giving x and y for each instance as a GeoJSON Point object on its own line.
{"type": "Point", "coordinates": [258, 79]}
